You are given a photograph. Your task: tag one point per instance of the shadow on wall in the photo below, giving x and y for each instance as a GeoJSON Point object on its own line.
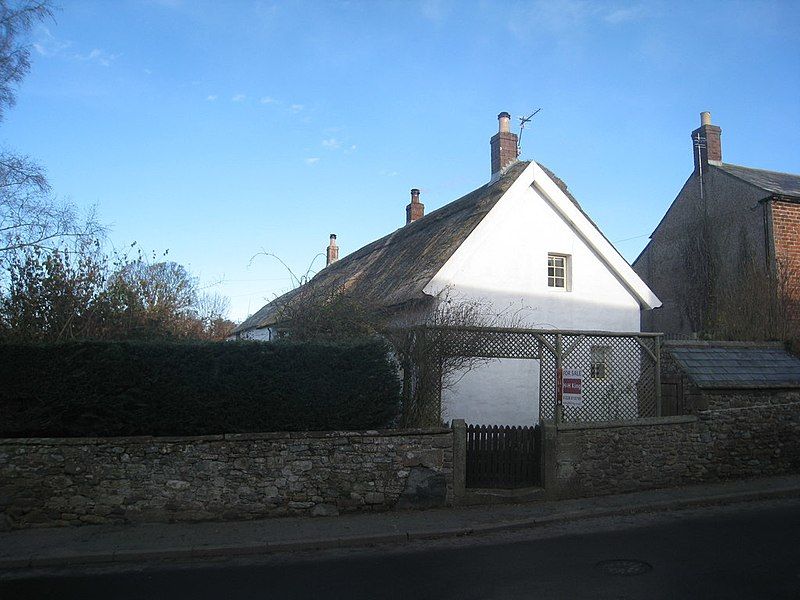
{"type": "Point", "coordinates": [554, 309]}
{"type": "Point", "coordinates": [499, 391]}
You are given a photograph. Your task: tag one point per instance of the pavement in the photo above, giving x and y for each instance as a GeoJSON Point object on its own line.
{"type": "Point", "coordinates": [140, 542]}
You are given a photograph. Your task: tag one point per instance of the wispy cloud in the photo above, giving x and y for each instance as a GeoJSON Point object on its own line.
{"type": "Point", "coordinates": [101, 57]}
{"type": "Point", "coordinates": [435, 10]}
{"type": "Point", "coordinates": [168, 3]}
{"type": "Point", "coordinates": [267, 100]}
{"type": "Point", "coordinates": [238, 98]}
{"type": "Point", "coordinates": [296, 107]}
{"type": "Point", "coordinates": [211, 97]}
{"type": "Point", "coordinates": [623, 15]}
{"type": "Point", "coordinates": [312, 160]}
{"type": "Point", "coordinates": [331, 144]}
{"type": "Point", "coordinates": [564, 16]}
{"type": "Point", "coordinates": [385, 173]}
{"type": "Point", "coordinates": [147, 71]}
{"type": "Point", "coordinates": [47, 44]}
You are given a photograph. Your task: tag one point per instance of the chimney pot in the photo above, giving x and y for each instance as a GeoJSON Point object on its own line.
{"type": "Point", "coordinates": [705, 118]}
{"type": "Point", "coordinates": [504, 122]}
{"type": "Point", "coordinates": [415, 210]}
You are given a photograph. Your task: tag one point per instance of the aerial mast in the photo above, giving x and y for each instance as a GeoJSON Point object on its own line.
{"type": "Point", "coordinates": [522, 122]}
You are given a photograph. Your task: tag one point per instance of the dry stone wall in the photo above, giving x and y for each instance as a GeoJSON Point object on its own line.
{"type": "Point", "coordinates": [47, 482]}
{"type": "Point", "coordinates": [739, 435]}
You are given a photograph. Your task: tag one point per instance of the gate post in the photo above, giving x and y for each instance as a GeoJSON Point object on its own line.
{"type": "Point", "coordinates": [459, 427]}
{"type": "Point", "coordinates": [559, 412]}
{"type": "Point", "coordinates": [657, 382]}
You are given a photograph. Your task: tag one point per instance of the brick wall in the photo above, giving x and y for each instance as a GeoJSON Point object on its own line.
{"type": "Point", "coordinates": [738, 436]}
{"type": "Point", "coordinates": [47, 482]}
{"type": "Point", "coordinates": [786, 235]}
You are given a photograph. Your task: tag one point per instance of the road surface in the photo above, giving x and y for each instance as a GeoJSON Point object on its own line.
{"type": "Point", "coordinates": [741, 551]}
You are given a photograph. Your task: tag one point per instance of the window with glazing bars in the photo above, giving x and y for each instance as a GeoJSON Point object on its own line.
{"type": "Point", "coordinates": [557, 271]}
{"type": "Point", "coordinates": [600, 362]}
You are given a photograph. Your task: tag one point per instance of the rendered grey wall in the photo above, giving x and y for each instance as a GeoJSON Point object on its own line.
{"type": "Point", "coordinates": [737, 233]}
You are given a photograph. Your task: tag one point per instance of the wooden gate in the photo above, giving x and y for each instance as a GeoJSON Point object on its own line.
{"type": "Point", "coordinates": [503, 457]}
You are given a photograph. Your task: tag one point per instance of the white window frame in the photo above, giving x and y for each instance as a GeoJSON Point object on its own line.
{"type": "Point", "coordinates": [566, 267]}
{"type": "Point", "coordinates": [600, 362]}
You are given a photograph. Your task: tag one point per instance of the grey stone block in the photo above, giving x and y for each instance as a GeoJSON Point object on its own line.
{"type": "Point", "coordinates": [425, 488]}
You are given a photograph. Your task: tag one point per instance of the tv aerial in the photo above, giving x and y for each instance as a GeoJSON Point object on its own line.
{"type": "Point", "coordinates": [522, 122]}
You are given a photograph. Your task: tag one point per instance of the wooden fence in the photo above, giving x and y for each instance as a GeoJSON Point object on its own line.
{"type": "Point", "coordinates": [503, 457]}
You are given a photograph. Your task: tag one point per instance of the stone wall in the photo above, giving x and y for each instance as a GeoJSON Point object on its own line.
{"type": "Point", "coordinates": [47, 482]}
{"type": "Point", "coordinates": [739, 435]}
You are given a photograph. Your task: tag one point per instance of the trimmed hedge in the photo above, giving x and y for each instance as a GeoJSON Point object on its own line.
{"type": "Point", "coordinates": [156, 388]}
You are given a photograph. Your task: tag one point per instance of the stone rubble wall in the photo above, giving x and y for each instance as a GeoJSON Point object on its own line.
{"type": "Point", "coordinates": [50, 482]}
{"type": "Point", "coordinates": [740, 435]}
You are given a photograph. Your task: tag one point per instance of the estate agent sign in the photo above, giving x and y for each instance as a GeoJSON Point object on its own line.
{"type": "Point", "coordinates": [571, 387]}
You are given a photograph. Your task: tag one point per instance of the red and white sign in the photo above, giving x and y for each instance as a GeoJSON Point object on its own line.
{"type": "Point", "coordinates": [572, 384]}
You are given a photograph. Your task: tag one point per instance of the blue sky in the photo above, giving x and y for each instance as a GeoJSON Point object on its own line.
{"type": "Point", "coordinates": [219, 130]}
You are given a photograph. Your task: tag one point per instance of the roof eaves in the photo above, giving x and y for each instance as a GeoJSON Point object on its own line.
{"type": "Point", "coordinates": [572, 212]}
{"type": "Point", "coordinates": [763, 179]}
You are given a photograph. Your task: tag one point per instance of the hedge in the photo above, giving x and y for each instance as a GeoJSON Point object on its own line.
{"type": "Point", "coordinates": [157, 388]}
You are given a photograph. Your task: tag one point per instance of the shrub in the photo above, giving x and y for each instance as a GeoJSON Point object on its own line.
{"type": "Point", "coordinates": [162, 388]}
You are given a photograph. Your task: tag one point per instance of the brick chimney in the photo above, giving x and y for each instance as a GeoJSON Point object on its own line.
{"type": "Point", "coordinates": [415, 210]}
{"type": "Point", "coordinates": [706, 142]}
{"type": "Point", "coordinates": [504, 145]}
{"type": "Point", "coordinates": [332, 251]}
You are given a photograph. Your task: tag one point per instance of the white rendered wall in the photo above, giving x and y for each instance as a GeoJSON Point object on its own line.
{"type": "Point", "coordinates": [503, 391]}
{"type": "Point", "coordinates": [264, 334]}
{"type": "Point", "coordinates": [503, 266]}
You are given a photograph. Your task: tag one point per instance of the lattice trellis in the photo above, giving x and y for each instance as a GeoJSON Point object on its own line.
{"type": "Point", "coordinates": [625, 390]}
{"type": "Point", "coordinates": [625, 385]}
{"type": "Point", "coordinates": [493, 343]}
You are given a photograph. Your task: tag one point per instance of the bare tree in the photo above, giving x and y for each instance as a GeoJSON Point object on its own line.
{"type": "Point", "coordinates": [330, 314]}
{"type": "Point", "coordinates": [16, 20]}
{"type": "Point", "coordinates": [757, 304]}
{"type": "Point", "coordinates": [701, 264]}
{"type": "Point", "coordinates": [66, 294]}
{"type": "Point", "coordinates": [437, 352]}
{"type": "Point", "coordinates": [211, 311]}
{"type": "Point", "coordinates": [54, 295]}
{"type": "Point", "coordinates": [733, 294]}
{"type": "Point", "coordinates": [30, 214]}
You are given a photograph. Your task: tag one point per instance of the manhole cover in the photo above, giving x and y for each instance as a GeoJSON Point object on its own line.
{"type": "Point", "coordinates": [624, 567]}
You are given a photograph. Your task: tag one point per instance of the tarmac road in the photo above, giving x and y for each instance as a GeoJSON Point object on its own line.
{"type": "Point", "coordinates": [739, 551]}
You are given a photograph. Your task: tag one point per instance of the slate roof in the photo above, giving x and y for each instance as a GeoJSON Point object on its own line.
{"type": "Point", "coordinates": [731, 365]}
{"type": "Point", "coordinates": [784, 184]}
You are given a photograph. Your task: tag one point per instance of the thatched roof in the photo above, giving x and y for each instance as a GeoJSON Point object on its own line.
{"type": "Point", "coordinates": [396, 268]}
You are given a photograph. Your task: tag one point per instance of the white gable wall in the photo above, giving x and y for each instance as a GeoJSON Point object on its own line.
{"type": "Point", "coordinates": [503, 266]}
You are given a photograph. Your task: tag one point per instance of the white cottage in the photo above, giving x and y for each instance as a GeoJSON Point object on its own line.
{"type": "Point", "coordinates": [521, 245]}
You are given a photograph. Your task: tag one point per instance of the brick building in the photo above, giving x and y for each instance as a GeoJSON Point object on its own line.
{"type": "Point", "coordinates": [725, 258]}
